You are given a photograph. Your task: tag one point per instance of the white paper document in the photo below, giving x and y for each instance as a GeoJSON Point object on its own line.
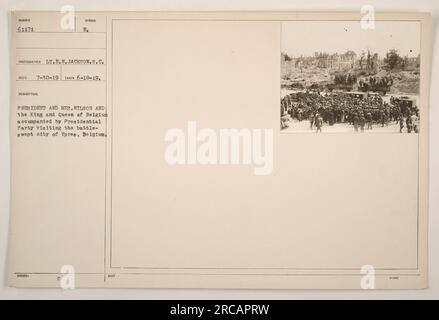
{"type": "Point", "coordinates": [219, 150]}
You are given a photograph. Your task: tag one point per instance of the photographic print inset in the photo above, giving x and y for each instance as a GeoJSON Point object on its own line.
{"type": "Point", "coordinates": [338, 77]}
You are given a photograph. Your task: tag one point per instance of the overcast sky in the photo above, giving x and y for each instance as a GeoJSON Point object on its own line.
{"type": "Point", "coordinates": [306, 37]}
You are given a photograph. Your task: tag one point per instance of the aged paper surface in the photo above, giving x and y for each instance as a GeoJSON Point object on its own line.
{"type": "Point", "coordinates": [147, 150]}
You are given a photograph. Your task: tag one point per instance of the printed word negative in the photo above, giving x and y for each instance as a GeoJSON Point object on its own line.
{"type": "Point", "coordinates": [226, 147]}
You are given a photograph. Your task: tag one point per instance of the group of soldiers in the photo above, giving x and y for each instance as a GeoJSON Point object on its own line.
{"type": "Point", "coordinates": [360, 111]}
{"type": "Point", "coordinates": [382, 84]}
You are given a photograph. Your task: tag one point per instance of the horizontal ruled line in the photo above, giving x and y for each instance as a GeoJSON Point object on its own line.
{"type": "Point", "coordinates": [63, 32]}
{"type": "Point", "coordinates": [62, 80]}
{"type": "Point", "coordinates": [29, 48]}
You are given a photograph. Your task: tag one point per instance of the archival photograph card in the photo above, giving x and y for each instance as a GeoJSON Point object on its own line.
{"type": "Point", "coordinates": [147, 150]}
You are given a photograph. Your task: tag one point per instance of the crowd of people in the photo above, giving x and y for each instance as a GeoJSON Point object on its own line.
{"type": "Point", "coordinates": [382, 84]}
{"type": "Point", "coordinates": [361, 111]}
